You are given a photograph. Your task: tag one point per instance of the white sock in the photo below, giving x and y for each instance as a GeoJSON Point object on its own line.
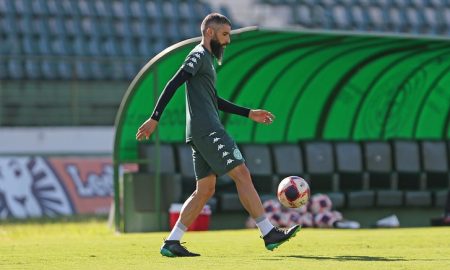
{"type": "Point", "coordinates": [177, 232]}
{"type": "Point", "coordinates": [264, 225]}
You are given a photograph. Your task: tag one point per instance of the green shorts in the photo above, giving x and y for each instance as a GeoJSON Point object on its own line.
{"type": "Point", "coordinates": [214, 153]}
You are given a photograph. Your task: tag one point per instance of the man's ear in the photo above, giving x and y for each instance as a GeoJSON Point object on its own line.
{"type": "Point", "coordinates": [209, 32]}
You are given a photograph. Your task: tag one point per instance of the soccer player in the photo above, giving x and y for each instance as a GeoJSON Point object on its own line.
{"type": "Point", "coordinates": [214, 152]}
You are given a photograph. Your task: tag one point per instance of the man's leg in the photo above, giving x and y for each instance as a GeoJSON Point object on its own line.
{"type": "Point", "coordinates": [273, 237]}
{"type": "Point", "coordinates": [246, 190]}
{"type": "Point", "coordinates": [189, 212]}
{"type": "Point", "coordinates": [195, 203]}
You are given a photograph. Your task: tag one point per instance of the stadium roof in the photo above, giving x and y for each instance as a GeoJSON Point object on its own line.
{"type": "Point", "coordinates": [320, 85]}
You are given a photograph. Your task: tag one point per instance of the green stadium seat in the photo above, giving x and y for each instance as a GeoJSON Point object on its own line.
{"type": "Point", "coordinates": [65, 69]}
{"type": "Point", "coordinates": [7, 7]}
{"type": "Point", "coordinates": [29, 45]}
{"type": "Point", "coordinates": [4, 74]}
{"type": "Point", "coordinates": [186, 169]}
{"type": "Point", "coordinates": [80, 46]}
{"type": "Point", "coordinates": [361, 199]}
{"type": "Point", "coordinates": [418, 199]}
{"type": "Point", "coordinates": [61, 7]}
{"type": "Point", "coordinates": [137, 9]}
{"type": "Point", "coordinates": [389, 198]}
{"type": "Point", "coordinates": [25, 25]}
{"type": "Point", "coordinates": [16, 69]}
{"type": "Point", "coordinates": [379, 165]}
{"type": "Point", "coordinates": [82, 70]}
{"type": "Point", "coordinates": [10, 25]}
{"type": "Point", "coordinates": [435, 164]}
{"type": "Point", "coordinates": [39, 7]}
{"type": "Point", "coordinates": [408, 165]}
{"type": "Point", "coordinates": [259, 162]}
{"type": "Point", "coordinates": [87, 8]}
{"type": "Point", "coordinates": [353, 179]}
{"type": "Point", "coordinates": [150, 152]}
{"type": "Point", "coordinates": [440, 198]}
{"type": "Point", "coordinates": [320, 166]}
{"type": "Point", "coordinates": [128, 47]}
{"type": "Point", "coordinates": [32, 69]}
{"type": "Point", "coordinates": [288, 160]}
{"type": "Point", "coordinates": [73, 27]}
{"type": "Point", "coordinates": [349, 166]}
{"type": "Point", "coordinates": [23, 7]}
{"type": "Point", "coordinates": [110, 46]}
{"type": "Point", "coordinates": [56, 26]}
{"type": "Point", "coordinates": [145, 47]}
{"type": "Point", "coordinates": [171, 180]}
{"type": "Point", "coordinates": [49, 69]}
{"type": "Point", "coordinates": [153, 10]}
{"type": "Point", "coordinates": [120, 9]}
{"type": "Point", "coordinates": [411, 178]}
{"type": "Point", "coordinates": [40, 26]}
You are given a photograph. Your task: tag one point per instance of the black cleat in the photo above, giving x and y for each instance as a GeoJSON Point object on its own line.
{"type": "Point", "coordinates": [173, 248]}
{"type": "Point", "coordinates": [278, 236]}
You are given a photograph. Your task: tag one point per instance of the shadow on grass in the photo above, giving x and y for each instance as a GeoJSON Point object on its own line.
{"type": "Point", "coordinates": [341, 258]}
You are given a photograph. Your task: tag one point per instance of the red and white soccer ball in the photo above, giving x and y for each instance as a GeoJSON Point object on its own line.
{"type": "Point", "coordinates": [293, 192]}
{"type": "Point", "coordinates": [320, 203]}
{"type": "Point", "coordinates": [325, 219]}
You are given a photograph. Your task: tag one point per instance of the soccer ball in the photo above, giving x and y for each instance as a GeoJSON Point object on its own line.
{"type": "Point", "coordinates": [293, 192]}
{"type": "Point", "coordinates": [320, 203]}
{"type": "Point", "coordinates": [325, 219]}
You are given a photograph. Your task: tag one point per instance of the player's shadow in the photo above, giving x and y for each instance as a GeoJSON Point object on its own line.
{"type": "Point", "coordinates": [346, 258]}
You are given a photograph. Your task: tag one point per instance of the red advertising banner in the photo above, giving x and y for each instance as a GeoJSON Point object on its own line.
{"type": "Point", "coordinates": [41, 186]}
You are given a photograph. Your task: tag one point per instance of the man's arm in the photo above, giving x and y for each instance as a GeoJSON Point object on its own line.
{"type": "Point", "coordinates": [180, 77]}
{"type": "Point", "coordinates": [259, 116]}
{"type": "Point", "coordinates": [149, 126]}
{"type": "Point", "coordinates": [229, 107]}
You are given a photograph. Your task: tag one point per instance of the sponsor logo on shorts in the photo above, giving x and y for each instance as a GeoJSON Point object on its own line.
{"type": "Point", "coordinates": [237, 154]}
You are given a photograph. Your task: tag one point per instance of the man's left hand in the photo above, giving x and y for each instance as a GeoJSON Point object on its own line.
{"type": "Point", "coordinates": [261, 116]}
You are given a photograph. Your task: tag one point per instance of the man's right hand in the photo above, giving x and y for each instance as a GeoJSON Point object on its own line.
{"type": "Point", "coordinates": [146, 129]}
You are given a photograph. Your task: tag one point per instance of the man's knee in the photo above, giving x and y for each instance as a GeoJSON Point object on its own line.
{"type": "Point", "coordinates": [240, 174]}
{"type": "Point", "coordinates": [206, 187]}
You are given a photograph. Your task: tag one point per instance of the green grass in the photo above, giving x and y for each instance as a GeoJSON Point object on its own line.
{"type": "Point", "coordinates": [92, 245]}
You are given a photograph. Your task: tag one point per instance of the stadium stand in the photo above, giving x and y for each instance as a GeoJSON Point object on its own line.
{"type": "Point", "coordinates": [354, 174]}
{"type": "Point", "coordinates": [86, 39]}
{"type": "Point", "coordinates": [412, 16]}
{"type": "Point", "coordinates": [85, 52]}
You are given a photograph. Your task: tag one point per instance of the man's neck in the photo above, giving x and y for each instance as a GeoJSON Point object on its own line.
{"type": "Point", "coordinates": [206, 44]}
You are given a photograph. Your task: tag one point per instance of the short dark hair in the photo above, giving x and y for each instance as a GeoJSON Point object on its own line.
{"type": "Point", "coordinates": [212, 20]}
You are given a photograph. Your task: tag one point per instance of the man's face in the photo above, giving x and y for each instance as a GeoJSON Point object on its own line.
{"type": "Point", "coordinates": [221, 38]}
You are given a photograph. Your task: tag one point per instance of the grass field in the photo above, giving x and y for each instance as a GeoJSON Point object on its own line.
{"type": "Point", "coordinates": [92, 245]}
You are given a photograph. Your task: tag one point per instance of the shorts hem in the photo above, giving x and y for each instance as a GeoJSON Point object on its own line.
{"type": "Point", "coordinates": [229, 168]}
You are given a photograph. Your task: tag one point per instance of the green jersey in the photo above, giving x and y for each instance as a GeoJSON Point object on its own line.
{"type": "Point", "coordinates": [202, 113]}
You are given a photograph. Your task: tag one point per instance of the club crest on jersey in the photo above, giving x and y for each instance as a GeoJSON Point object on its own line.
{"type": "Point", "coordinates": [237, 154]}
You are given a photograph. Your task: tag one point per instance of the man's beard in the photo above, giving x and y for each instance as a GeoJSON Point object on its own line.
{"type": "Point", "coordinates": [217, 50]}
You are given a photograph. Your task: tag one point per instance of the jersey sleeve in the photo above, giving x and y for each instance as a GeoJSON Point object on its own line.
{"type": "Point", "coordinates": [193, 62]}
